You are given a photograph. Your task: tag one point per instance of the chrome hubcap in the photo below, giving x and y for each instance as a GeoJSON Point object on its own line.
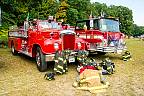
{"type": "Point", "coordinates": [38, 58]}
{"type": "Point", "coordinates": [12, 49]}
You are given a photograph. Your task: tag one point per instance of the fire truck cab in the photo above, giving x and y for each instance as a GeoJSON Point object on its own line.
{"type": "Point", "coordinates": [41, 39]}
{"type": "Point", "coordinates": [103, 34]}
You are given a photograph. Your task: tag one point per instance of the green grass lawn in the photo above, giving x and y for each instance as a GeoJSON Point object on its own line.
{"type": "Point", "coordinates": [136, 47]}
{"type": "Point", "coordinates": [20, 77]}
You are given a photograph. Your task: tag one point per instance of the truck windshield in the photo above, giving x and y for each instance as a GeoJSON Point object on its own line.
{"type": "Point", "coordinates": [47, 25]}
{"type": "Point", "coordinates": [109, 25]}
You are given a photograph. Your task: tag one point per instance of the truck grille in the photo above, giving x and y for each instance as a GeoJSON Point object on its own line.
{"type": "Point", "coordinates": [68, 41]}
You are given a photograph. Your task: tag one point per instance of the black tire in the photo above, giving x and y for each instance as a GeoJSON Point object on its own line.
{"type": "Point", "coordinates": [101, 53]}
{"type": "Point", "coordinates": [40, 60]}
{"type": "Point", "coordinates": [14, 52]}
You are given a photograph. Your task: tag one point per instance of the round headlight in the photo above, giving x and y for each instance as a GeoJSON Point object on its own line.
{"type": "Point", "coordinates": [56, 46]}
{"type": "Point", "coordinates": [111, 44]}
{"type": "Point", "coordinates": [79, 45]}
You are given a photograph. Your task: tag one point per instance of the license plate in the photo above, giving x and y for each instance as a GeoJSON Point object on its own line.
{"type": "Point", "coordinates": [71, 59]}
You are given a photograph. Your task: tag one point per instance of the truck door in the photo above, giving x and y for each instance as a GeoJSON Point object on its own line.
{"type": "Point", "coordinates": [32, 34]}
{"type": "Point", "coordinates": [24, 36]}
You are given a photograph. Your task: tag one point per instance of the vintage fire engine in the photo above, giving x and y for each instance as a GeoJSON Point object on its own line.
{"type": "Point", "coordinates": [102, 33]}
{"type": "Point", "coordinates": [41, 39]}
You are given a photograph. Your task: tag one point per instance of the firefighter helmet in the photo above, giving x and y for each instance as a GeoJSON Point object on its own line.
{"type": "Point", "coordinates": [49, 76]}
{"type": "Point", "coordinates": [127, 52]}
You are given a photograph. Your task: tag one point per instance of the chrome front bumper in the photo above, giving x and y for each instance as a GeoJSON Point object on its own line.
{"type": "Point", "coordinates": [111, 49]}
{"type": "Point", "coordinates": [49, 57]}
{"type": "Point", "coordinates": [106, 49]}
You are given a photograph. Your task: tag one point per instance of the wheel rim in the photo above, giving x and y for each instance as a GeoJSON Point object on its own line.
{"type": "Point", "coordinates": [12, 49]}
{"type": "Point", "coordinates": [38, 59]}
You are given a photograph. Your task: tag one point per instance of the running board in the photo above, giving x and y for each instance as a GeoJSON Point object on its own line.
{"type": "Point", "coordinates": [25, 53]}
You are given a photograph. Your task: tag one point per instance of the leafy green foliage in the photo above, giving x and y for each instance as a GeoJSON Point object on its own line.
{"type": "Point", "coordinates": [3, 35]}
{"type": "Point", "coordinates": [125, 17]}
{"type": "Point", "coordinates": [82, 7]}
{"type": "Point", "coordinates": [72, 16]}
{"type": "Point", "coordinates": [137, 30]}
{"type": "Point", "coordinates": [62, 10]}
{"type": "Point", "coordinates": [14, 12]}
{"type": "Point", "coordinates": [98, 8]}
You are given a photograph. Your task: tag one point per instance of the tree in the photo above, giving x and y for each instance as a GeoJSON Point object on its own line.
{"type": "Point", "coordinates": [125, 17]}
{"type": "Point", "coordinates": [62, 10]}
{"type": "Point", "coordinates": [72, 16]}
{"type": "Point", "coordinates": [82, 7]}
{"type": "Point", "coordinates": [137, 30]}
{"type": "Point", "coordinates": [98, 8]}
{"type": "Point", "coordinates": [47, 8]}
{"type": "Point", "coordinates": [15, 12]}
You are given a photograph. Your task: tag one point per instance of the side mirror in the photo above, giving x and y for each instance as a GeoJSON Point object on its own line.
{"type": "Point", "coordinates": [51, 34]}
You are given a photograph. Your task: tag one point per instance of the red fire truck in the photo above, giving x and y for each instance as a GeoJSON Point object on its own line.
{"type": "Point", "coordinates": [41, 39]}
{"type": "Point", "coordinates": [102, 33]}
